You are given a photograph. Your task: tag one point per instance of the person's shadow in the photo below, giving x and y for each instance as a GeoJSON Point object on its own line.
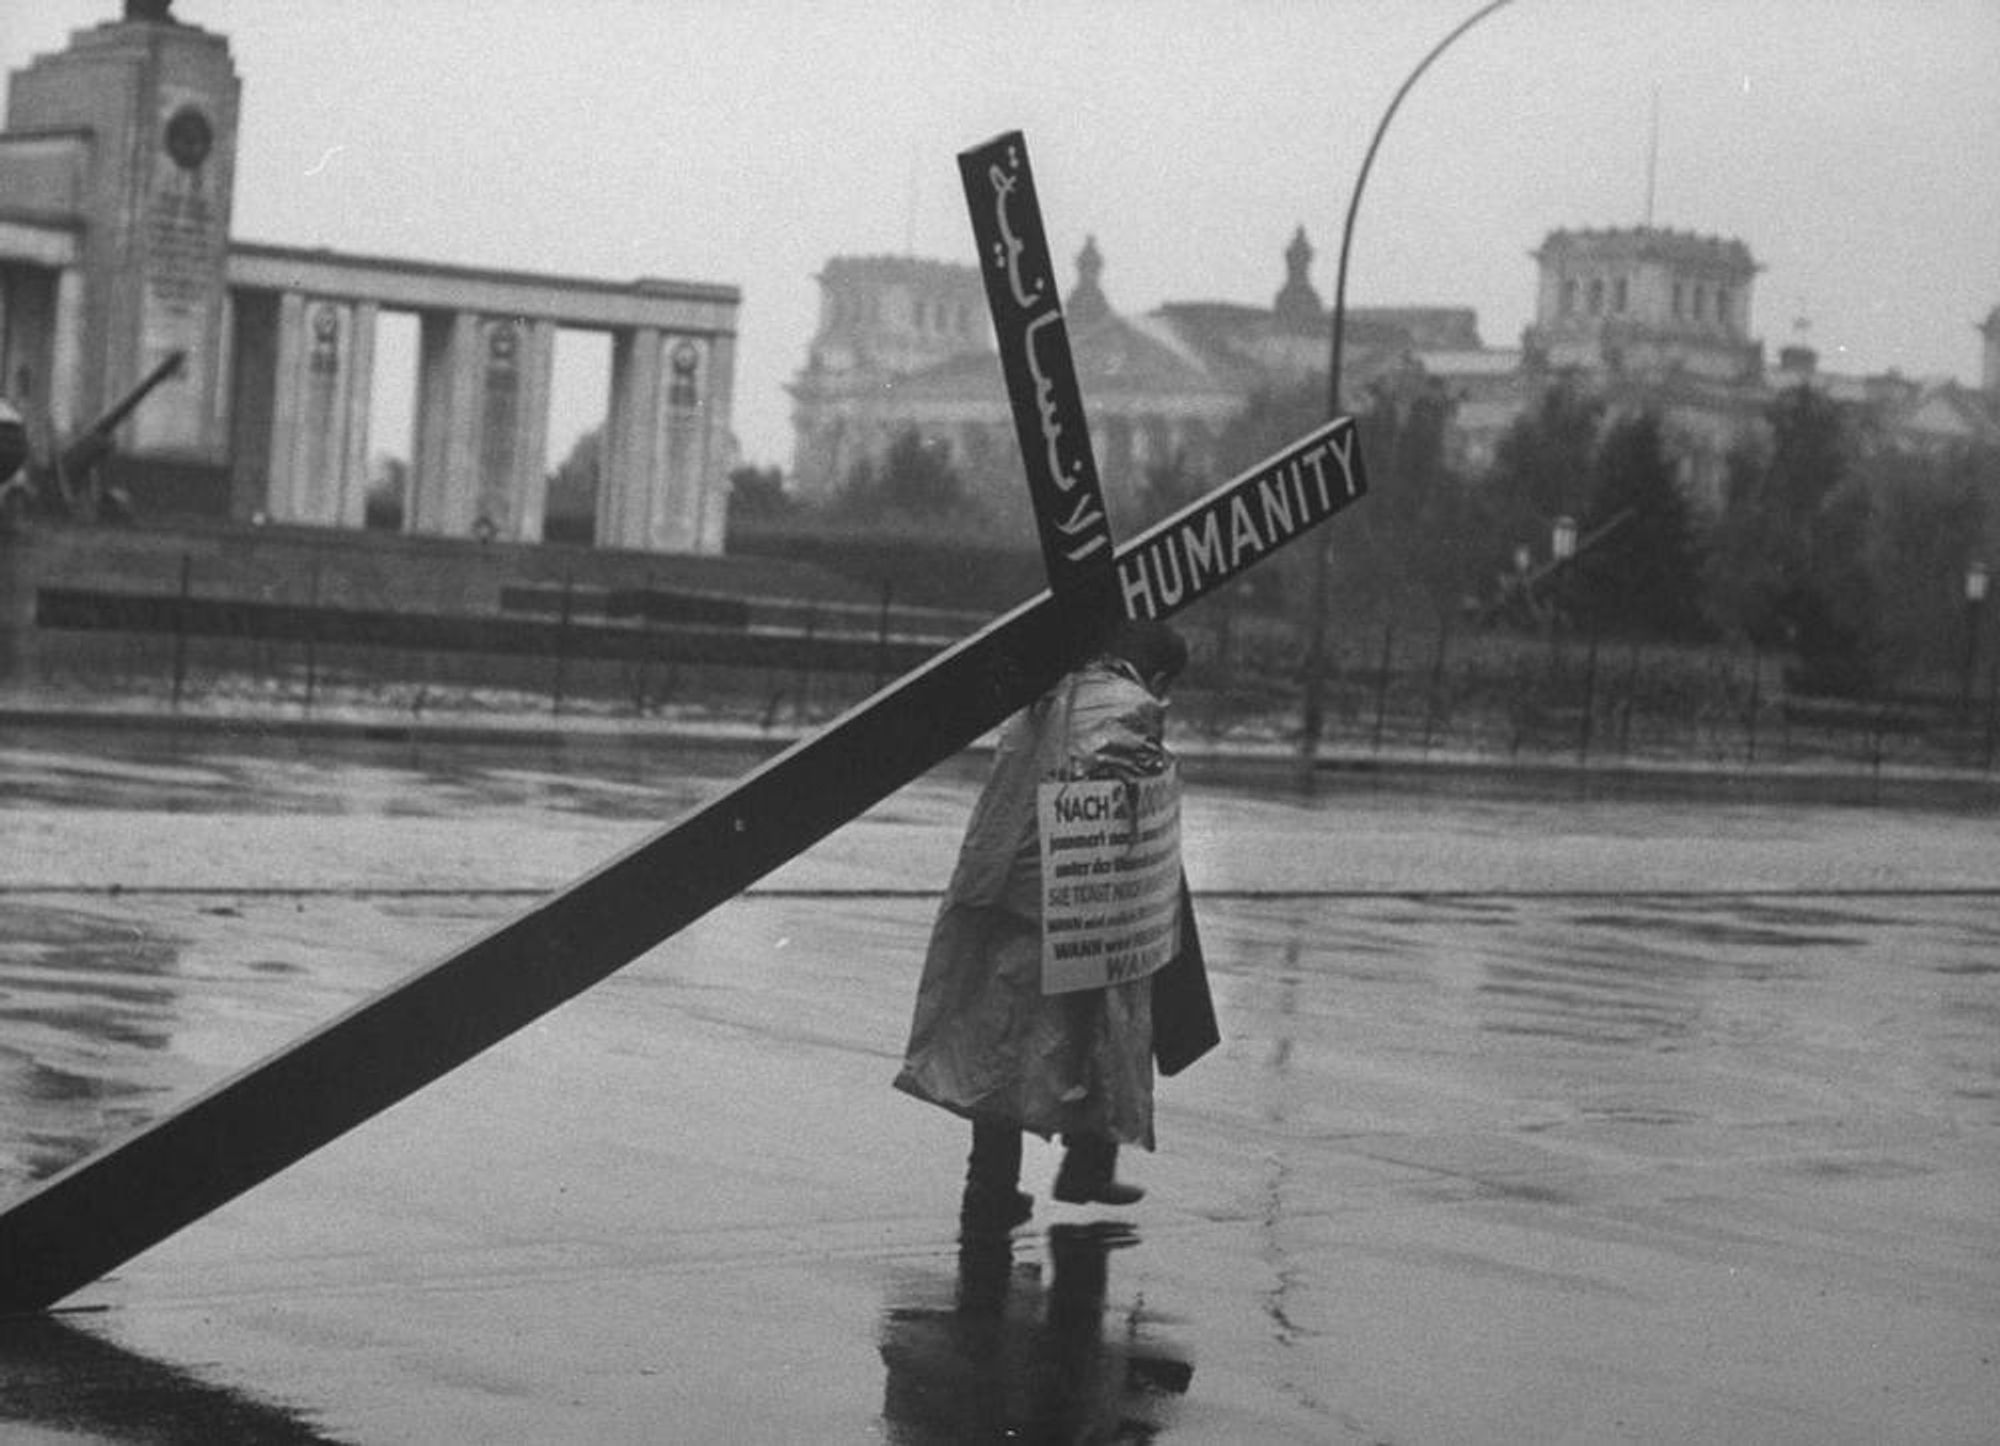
{"type": "Point", "coordinates": [995, 1355]}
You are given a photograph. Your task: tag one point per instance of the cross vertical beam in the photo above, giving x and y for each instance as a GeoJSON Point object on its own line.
{"type": "Point", "coordinates": [1049, 424]}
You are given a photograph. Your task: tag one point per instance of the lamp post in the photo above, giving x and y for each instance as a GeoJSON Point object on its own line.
{"type": "Point", "coordinates": [1313, 716]}
{"type": "Point", "coordinates": [1562, 548]}
{"type": "Point", "coordinates": [1555, 575]}
{"type": "Point", "coordinates": [1562, 539]}
{"type": "Point", "coordinates": [1975, 607]}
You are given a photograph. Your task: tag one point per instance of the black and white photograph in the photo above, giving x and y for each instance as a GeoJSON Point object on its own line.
{"type": "Point", "coordinates": [886, 721]}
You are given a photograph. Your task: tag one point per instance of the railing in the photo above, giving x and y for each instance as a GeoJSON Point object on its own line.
{"type": "Point", "coordinates": [1392, 689]}
{"type": "Point", "coordinates": [557, 646]}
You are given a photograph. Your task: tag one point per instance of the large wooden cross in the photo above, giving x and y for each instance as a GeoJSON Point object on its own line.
{"type": "Point", "coordinates": [109, 1207]}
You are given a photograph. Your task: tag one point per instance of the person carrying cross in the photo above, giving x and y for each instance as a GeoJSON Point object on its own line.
{"type": "Point", "coordinates": [986, 1042]}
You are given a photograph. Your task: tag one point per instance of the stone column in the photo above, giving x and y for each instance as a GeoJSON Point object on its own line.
{"type": "Point", "coordinates": [356, 408]}
{"type": "Point", "coordinates": [284, 501]}
{"type": "Point", "coordinates": [674, 496]}
{"type": "Point", "coordinates": [688, 490]}
{"type": "Point", "coordinates": [512, 427]}
{"type": "Point", "coordinates": [316, 450]}
{"type": "Point", "coordinates": [494, 512]}
{"type": "Point", "coordinates": [464, 383]}
{"type": "Point", "coordinates": [537, 371]}
{"type": "Point", "coordinates": [631, 439]}
{"type": "Point", "coordinates": [444, 492]}
{"type": "Point", "coordinates": [225, 367]}
{"type": "Point", "coordinates": [718, 405]}
{"type": "Point", "coordinates": [319, 431]}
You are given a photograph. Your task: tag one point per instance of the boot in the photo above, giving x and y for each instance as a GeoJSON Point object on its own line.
{"type": "Point", "coordinates": [993, 1202]}
{"type": "Point", "coordinates": [1089, 1173]}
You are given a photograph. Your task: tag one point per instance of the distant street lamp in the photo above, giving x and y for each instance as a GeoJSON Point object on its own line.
{"type": "Point", "coordinates": [1562, 539]}
{"type": "Point", "coordinates": [1313, 719]}
{"type": "Point", "coordinates": [1975, 607]}
{"type": "Point", "coordinates": [1562, 550]}
{"type": "Point", "coordinates": [1561, 553]}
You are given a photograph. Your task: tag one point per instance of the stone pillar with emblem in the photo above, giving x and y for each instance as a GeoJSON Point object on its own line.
{"type": "Point", "coordinates": [512, 427]}
{"type": "Point", "coordinates": [320, 411]}
{"type": "Point", "coordinates": [682, 489]}
{"type": "Point", "coordinates": [159, 99]}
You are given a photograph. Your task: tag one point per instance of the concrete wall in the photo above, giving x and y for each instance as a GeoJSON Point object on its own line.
{"type": "Point", "coordinates": [340, 568]}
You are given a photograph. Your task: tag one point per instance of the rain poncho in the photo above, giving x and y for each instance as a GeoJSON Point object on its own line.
{"type": "Point", "coordinates": [986, 1041]}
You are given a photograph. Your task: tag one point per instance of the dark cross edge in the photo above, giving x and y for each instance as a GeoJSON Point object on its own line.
{"type": "Point", "coordinates": [105, 1209]}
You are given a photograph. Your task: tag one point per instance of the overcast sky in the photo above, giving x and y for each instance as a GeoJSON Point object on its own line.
{"type": "Point", "coordinates": [1853, 145]}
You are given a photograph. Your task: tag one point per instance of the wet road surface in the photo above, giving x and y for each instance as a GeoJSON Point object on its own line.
{"type": "Point", "coordinates": [1536, 1120]}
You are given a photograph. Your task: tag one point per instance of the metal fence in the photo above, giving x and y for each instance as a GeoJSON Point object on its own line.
{"type": "Point", "coordinates": [555, 649]}
{"type": "Point", "coordinates": [1391, 689]}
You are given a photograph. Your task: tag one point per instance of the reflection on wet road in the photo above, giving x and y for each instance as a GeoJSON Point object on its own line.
{"type": "Point", "coordinates": [262, 774]}
{"type": "Point", "coordinates": [1704, 1011]}
{"type": "Point", "coordinates": [87, 1011]}
{"type": "Point", "coordinates": [1002, 1354]}
{"type": "Point", "coordinates": [1669, 1007]}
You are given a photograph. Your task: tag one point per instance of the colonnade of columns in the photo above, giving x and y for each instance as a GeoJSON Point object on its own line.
{"type": "Point", "coordinates": [479, 455]}
{"type": "Point", "coordinates": [117, 171]}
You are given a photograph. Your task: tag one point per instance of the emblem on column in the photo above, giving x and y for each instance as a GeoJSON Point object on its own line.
{"type": "Point", "coordinates": [189, 138]}
{"type": "Point", "coordinates": [325, 338]}
{"type": "Point", "coordinates": [682, 387]}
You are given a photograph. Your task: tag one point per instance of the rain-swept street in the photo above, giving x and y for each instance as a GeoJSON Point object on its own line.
{"type": "Point", "coordinates": [1540, 1117]}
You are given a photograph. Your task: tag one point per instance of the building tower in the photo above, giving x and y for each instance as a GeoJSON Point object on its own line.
{"type": "Point", "coordinates": [1655, 319]}
{"type": "Point", "coordinates": [1297, 306]}
{"type": "Point", "coordinates": [1646, 304]}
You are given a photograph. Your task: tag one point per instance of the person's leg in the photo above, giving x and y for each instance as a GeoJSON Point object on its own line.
{"type": "Point", "coordinates": [993, 1197]}
{"type": "Point", "coordinates": [1089, 1173]}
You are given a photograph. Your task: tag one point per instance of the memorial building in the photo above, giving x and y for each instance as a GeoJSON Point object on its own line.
{"type": "Point", "coordinates": [117, 169]}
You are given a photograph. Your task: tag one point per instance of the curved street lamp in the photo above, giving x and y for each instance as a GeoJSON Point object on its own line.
{"type": "Point", "coordinates": [1315, 668]}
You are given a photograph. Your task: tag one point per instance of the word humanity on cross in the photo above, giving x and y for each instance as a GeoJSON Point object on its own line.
{"type": "Point", "coordinates": [1218, 537]}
